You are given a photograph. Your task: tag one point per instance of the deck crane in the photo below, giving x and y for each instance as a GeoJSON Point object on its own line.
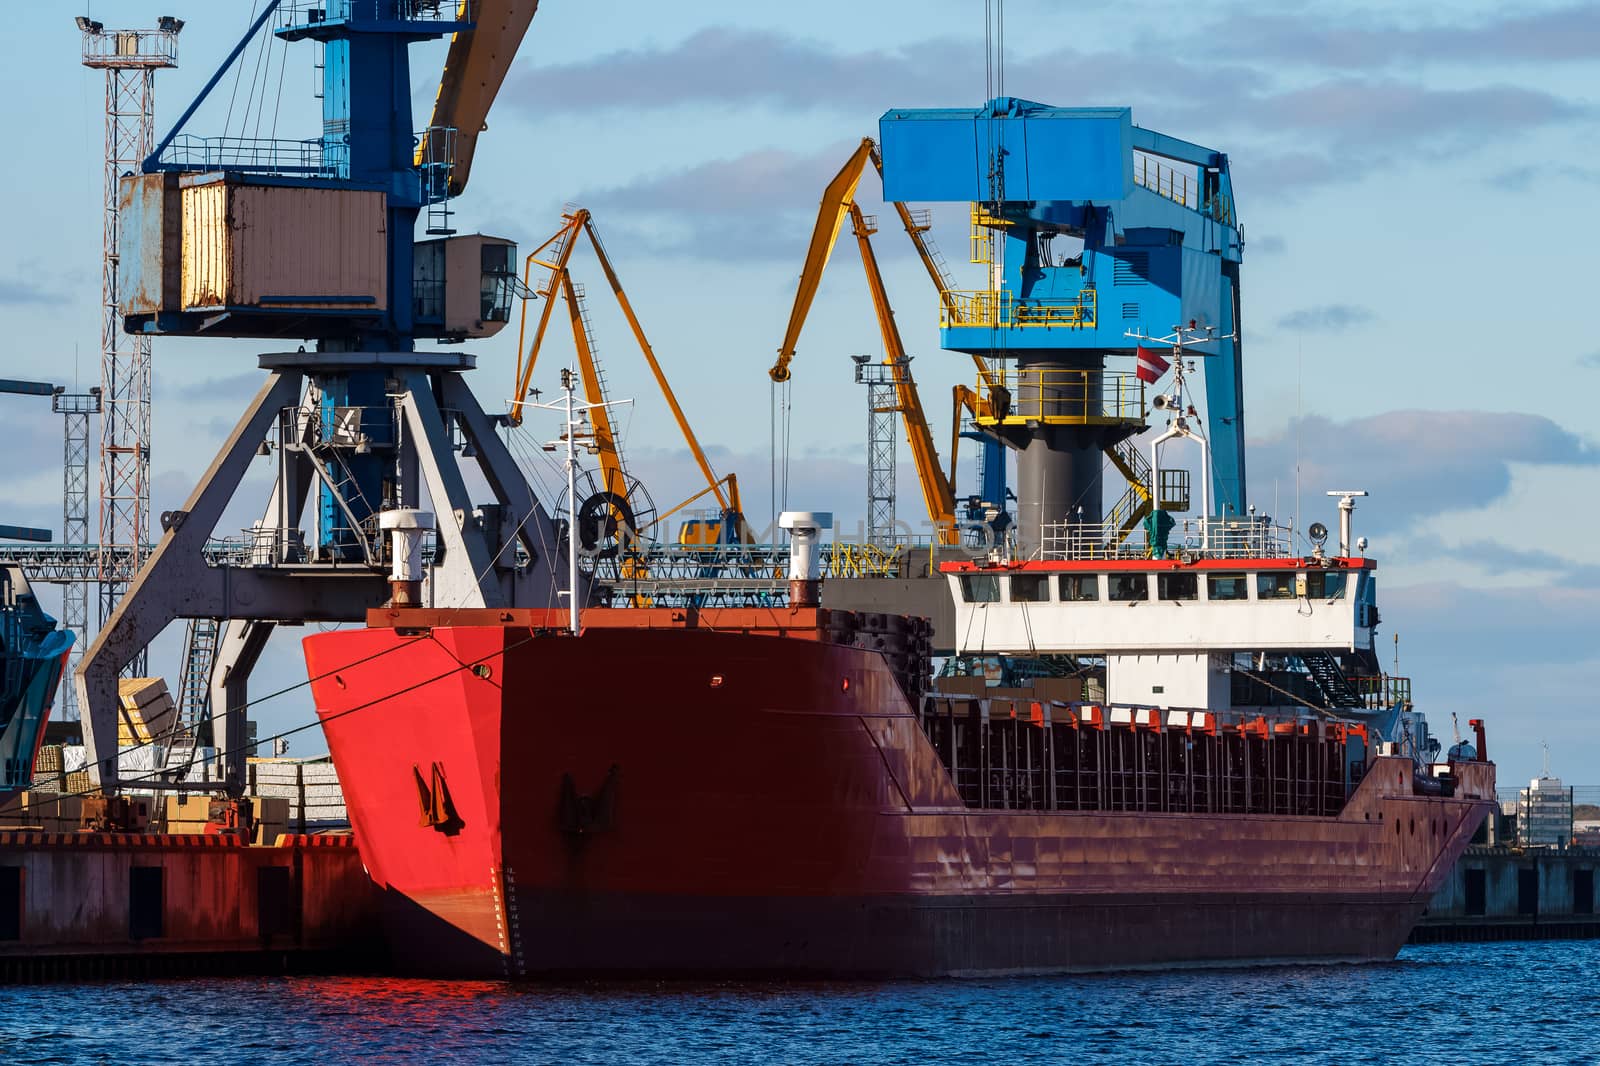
{"type": "Point", "coordinates": [554, 256]}
{"type": "Point", "coordinates": [839, 203]}
{"type": "Point", "coordinates": [311, 244]}
{"type": "Point", "coordinates": [1160, 247]}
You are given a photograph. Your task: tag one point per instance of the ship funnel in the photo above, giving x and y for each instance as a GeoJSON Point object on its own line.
{"type": "Point", "coordinates": [406, 527]}
{"type": "Point", "coordinates": [805, 554]}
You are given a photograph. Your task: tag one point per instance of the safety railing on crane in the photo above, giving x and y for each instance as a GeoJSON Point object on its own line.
{"type": "Point", "coordinates": [1179, 186]}
{"type": "Point", "coordinates": [984, 228]}
{"type": "Point", "coordinates": [312, 157]}
{"type": "Point", "coordinates": [296, 13]}
{"type": "Point", "coordinates": [1063, 397]}
{"type": "Point", "coordinates": [986, 308]}
{"type": "Point", "coordinates": [130, 48]}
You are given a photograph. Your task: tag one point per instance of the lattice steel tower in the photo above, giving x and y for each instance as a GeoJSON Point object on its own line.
{"type": "Point", "coordinates": [75, 409]}
{"type": "Point", "coordinates": [883, 409]}
{"type": "Point", "coordinates": [130, 59]}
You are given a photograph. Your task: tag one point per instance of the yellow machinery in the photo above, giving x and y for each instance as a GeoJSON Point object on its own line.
{"type": "Point", "coordinates": [474, 69]}
{"type": "Point", "coordinates": [554, 256]}
{"type": "Point", "coordinates": [838, 202]}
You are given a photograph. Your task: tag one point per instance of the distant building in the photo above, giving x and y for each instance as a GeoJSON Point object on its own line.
{"type": "Point", "coordinates": [1544, 813]}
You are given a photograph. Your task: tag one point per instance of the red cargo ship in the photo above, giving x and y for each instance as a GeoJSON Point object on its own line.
{"type": "Point", "coordinates": [772, 791]}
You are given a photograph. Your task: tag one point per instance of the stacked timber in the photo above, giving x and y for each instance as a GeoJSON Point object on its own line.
{"type": "Point", "coordinates": [311, 787]}
{"type": "Point", "coordinates": [147, 708]}
{"type": "Point", "coordinates": [48, 772]}
{"type": "Point", "coordinates": [49, 812]}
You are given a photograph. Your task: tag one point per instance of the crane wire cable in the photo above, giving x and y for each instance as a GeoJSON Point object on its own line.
{"type": "Point", "coordinates": [238, 76]}
{"type": "Point", "coordinates": [153, 776]}
{"type": "Point", "coordinates": [262, 53]}
{"type": "Point", "coordinates": [277, 106]}
{"type": "Point", "coordinates": [550, 604]}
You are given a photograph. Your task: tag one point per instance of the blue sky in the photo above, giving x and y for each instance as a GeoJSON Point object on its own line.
{"type": "Point", "coordinates": [1416, 189]}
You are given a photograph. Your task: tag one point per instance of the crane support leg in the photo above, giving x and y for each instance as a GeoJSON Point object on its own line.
{"type": "Point", "coordinates": [533, 526]}
{"type": "Point", "coordinates": [237, 652]}
{"type": "Point", "coordinates": [153, 600]}
{"type": "Point", "coordinates": [278, 580]}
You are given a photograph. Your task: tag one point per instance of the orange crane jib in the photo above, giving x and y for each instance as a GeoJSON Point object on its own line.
{"type": "Point", "coordinates": [838, 203]}
{"type": "Point", "coordinates": [554, 256]}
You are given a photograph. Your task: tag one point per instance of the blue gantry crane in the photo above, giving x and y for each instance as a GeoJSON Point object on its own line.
{"type": "Point", "coordinates": [313, 243]}
{"type": "Point", "coordinates": [1097, 235]}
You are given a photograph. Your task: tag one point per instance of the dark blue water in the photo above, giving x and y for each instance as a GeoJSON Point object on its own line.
{"type": "Point", "coordinates": [1458, 1004]}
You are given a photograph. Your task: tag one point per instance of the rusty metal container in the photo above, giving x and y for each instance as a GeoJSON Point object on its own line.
{"type": "Point", "coordinates": [151, 242]}
{"type": "Point", "coordinates": [281, 248]}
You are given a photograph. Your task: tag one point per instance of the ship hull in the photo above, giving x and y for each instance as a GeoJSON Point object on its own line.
{"type": "Point", "coordinates": [660, 801]}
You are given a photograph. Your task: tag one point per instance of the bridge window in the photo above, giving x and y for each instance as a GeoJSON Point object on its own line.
{"type": "Point", "coordinates": [1177, 586]}
{"type": "Point", "coordinates": [1275, 586]}
{"type": "Point", "coordinates": [1030, 588]}
{"type": "Point", "coordinates": [1129, 588]}
{"type": "Point", "coordinates": [980, 588]}
{"type": "Point", "coordinates": [1075, 588]}
{"type": "Point", "coordinates": [1322, 585]}
{"type": "Point", "coordinates": [1227, 587]}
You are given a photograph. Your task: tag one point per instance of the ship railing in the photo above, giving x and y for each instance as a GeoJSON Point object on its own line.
{"type": "Point", "coordinates": [1189, 538]}
{"type": "Point", "coordinates": [1381, 691]}
{"type": "Point", "coordinates": [1009, 750]}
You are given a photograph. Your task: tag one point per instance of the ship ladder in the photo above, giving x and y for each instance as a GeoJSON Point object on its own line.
{"type": "Point", "coordinates": [1329, 680]}
{"type": "Point", "coordinates": [1135, 505]}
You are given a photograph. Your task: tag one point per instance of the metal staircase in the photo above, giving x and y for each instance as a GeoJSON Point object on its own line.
{"type": "Point", "coordinates": [1135, 505]}
{"type": "Point", "coordinates": [194, 692]}
{"type": "Point", "coordinates": [1336, 690]}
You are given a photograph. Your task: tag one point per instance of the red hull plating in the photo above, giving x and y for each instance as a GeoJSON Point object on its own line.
{"type": "Point", "coordinates": [697, 800]}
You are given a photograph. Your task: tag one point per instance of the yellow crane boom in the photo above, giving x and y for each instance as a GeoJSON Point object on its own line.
{"type": "Point", "coordinates": [838, 203]}
{"type": "Point", "coordinates": [474, 69]}
{"type": "Point", "coordinates": [937, 491]}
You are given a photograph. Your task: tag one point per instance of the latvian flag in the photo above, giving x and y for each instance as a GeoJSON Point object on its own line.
{"type": "Point", "coordinates": [1151, 365]}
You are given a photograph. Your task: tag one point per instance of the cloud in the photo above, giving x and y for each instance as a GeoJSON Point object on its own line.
{"type": "Point", "coordinates": [1270, 245]}
{"type": "Point", "coordinates": [17, 291]}
{"type": "Point", "coordinates": [1290, 134]}
{"type": "Point", "coordinates": [1366, 113]}
{"type": "Point", "coordinates": [240, 387]}
{"type": "Point", "coordinates": [758, 205]}
{"type": "Point", "coordinates": [1591, 359]}
{"type": "Point", "coordinates": [1521, 179]}
{"type": "Point", "coordinates": [741, 66]}
{"type": "Point", "coordinates": [1328, 318]}
{"type": "Point", "coordinates": [1480, 651]}
{"type": "Point", "coordinates": [1566, 34]}
{"type": "Point", "coordinates": [1415, 463]}
{"type": "Point", "coordinates": [757, 181]}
